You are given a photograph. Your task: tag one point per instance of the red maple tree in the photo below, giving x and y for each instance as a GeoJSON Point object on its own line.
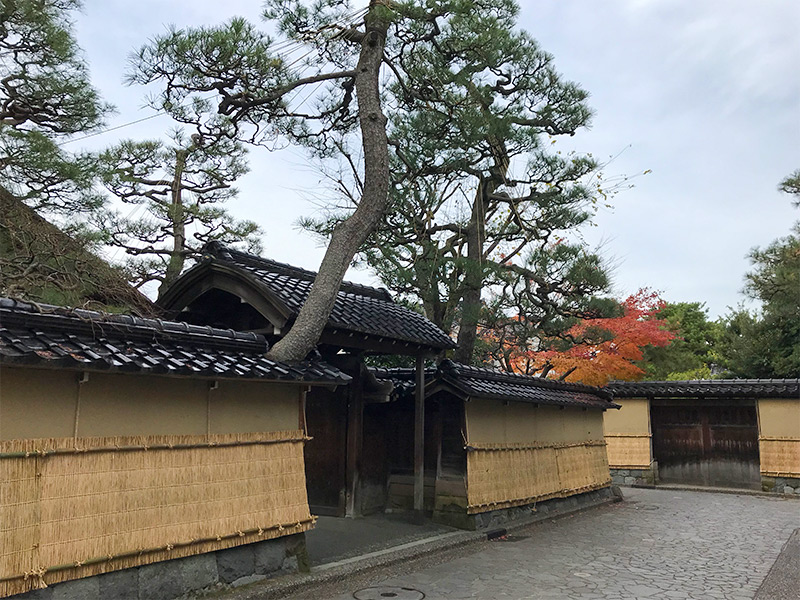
{"type": "Point", "coordinates": [596, 350]}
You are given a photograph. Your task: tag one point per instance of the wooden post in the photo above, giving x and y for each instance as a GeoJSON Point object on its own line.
{"type": "Point", "coordinates": [419, 437]}
{"type": "Point", "coordinates": [355, 431]}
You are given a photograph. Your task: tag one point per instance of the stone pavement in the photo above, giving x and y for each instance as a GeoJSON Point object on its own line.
{"type": "Point", "coordinates": [334, 539]}
{"type": "Point", "coordinates": [658, 544]}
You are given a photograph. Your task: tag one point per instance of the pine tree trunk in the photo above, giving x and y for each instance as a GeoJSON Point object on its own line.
{"type": "Point", "coordinates": [476, 236]}
{"type": "Point", "coordinates": [178, 255]}
{"type": "Point", "coordinates": [350, 234]}
{"type": "Point", "coordinates": [473, 278]}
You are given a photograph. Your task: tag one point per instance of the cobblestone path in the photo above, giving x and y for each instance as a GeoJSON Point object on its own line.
{"type": "Point", "coordinates": [658, 544]}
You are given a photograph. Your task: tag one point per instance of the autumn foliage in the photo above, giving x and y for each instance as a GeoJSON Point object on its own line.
{"type": "Point", "coordinates": [596, 350]}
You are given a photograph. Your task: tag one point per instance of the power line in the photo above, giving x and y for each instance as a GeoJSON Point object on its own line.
{"type": "Point", "coordinates": [96, 133]}
{"type": "Point", "coordinates": [283, 50]}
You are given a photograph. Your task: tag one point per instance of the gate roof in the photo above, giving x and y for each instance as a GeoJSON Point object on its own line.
{"type": "Point", "coordinates": [362, 316]}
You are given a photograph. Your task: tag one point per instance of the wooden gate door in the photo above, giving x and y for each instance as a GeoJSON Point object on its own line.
{"type": "Point", "coordinates": [326, 421]}
{"type": "Point", "coordinates": [706, 443]}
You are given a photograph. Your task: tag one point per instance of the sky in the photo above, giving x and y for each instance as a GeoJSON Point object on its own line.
{"type": "Point", "coordinates": [702, 94]}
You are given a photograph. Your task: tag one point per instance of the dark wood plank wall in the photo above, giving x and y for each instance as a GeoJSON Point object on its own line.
{"type": "Point", "coordinates": [706, 442]}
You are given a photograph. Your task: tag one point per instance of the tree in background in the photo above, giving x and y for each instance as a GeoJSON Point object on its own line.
{"type": "Point", "coordinates": [180, 188]}
{"type": "Point", "coordinates": [767, 343]}
{"type": "Point", "coordinates": [694, 350]}
{"type": "Point", "coordinates": [461, 218]}
{"type": "Point", "coordinates": [45, 98]}
{"type": "Point", "coordinates": [592, 351]}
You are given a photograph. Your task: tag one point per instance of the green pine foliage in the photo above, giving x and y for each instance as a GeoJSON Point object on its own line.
{"type": "Point", "coordinates": [45, 97]}
{"type": "Point", "coordinates": [766, 343]}
{"type": "Point", "coordinates": [474, 96]}
{"type": "Point", "coordinates": [174, 195]}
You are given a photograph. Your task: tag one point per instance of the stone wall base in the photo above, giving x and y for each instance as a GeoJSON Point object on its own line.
{"type": "Point", "coordinates": [633, 476]}
{"type": "Point", "coordinates": [171, 579]}
{"type": "Point", "coordinates": [506, 516]}
{"type": "Point", "coordinates": [781, 485]}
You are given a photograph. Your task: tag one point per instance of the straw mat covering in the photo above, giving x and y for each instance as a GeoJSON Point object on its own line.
{"type": "Point", "coordinates": [500, 476]}
{"type": "Point", "coordinates": [628, 450]}
{"type": "Point", "coordinates": [780, 457]}
{"type": "Point", "coordinates": [121, 502]}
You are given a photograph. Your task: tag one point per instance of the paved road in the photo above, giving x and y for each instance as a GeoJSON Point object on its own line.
{"type": "Point", "coordinates": [658, 544]}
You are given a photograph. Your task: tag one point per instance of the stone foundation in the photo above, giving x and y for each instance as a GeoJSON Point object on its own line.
{"type": "Point", "coordinates": [171, 579]}
{"type": "Point", "coordinates": [633, 476]}
{"type": "Point", "coordinates": [781, 485]}
{"type": "Point", "coordinates": [455, 515]}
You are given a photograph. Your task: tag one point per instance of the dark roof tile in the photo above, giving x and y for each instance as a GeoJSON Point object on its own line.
{"type": "Point", "coordinates": [490, 383]}
{"type": "Point", "coordinates": [358, 308]}
{"type": "Point", "coordinates": [73, 338]}
{"type": "Point", "coordinates": [707, 388]}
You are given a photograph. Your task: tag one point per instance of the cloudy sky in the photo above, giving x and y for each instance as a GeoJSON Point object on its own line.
{"type": "Point", "coordinates": [703, 93]}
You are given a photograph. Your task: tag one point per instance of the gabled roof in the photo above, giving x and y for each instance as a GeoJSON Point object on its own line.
{"type": "Point", "coordinates": [707, 388]}
{"type": "Point", "coordinates": [51, 336]}
{"type": "Point", "coordinates": [480, 382]}
{"type": "Point", "coordinates": [359, 311]}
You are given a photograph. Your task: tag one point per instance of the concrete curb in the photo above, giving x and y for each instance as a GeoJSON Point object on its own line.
{"type": "Point", "coordinates": [713, 490]}
{"type": "Point", "coordinates": [281, 587]}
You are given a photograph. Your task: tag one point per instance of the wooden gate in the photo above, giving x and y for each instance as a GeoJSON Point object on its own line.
{"type": "Point", "coordinates": [706, 442]}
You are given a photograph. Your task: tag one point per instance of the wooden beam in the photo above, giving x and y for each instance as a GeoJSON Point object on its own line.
{"type": "Point", "coordinates": [373, 345]}
{"type": "Point", "coordinates": [419, 437]}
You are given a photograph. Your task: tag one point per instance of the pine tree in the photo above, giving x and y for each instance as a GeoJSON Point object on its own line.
{"type": "Point", "coordinates": [468, 93]}
{"type": "Point", "coordinates": [45, 98]}
{"type": "Point", "coordinates": [766, 343]}
{"type": "Point", "coordinates": [181, 188]}
{"type": "Point", "coordinates": [462, 218]}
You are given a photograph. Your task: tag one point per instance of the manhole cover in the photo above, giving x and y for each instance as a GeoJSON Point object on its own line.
{"type": "Point", "coordinates": [381, 592]}
{"type": "Point", "coordinates": [649, 507]}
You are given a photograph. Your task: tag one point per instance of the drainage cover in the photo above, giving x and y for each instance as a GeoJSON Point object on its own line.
{"type": "Point", "coordinates": [382, 592]}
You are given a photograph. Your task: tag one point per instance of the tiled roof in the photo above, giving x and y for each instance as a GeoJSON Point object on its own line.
{"type": "Point", "coordinates": [358, 308]}
{"type": "Point", "coordinates": [44, 335]}
{"type": "Point", "coordinates": [707, 388]}
{"type": "Point", "coordinates": [489, 383]}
